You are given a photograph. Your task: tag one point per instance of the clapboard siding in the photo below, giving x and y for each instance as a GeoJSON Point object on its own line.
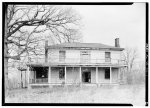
{"type": "Point", "coordinates": [55, 75]}
{"type": "Point", "coordinates": [72, 75]}
{"type": "Point", "coordinates": [101, 76]}
{"type": "Point", "coordinates": [73, 56]}
{"type": "Point", "coordinates": [114, 75]}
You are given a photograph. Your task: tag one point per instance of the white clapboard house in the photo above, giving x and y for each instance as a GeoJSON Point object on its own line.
{"type": "Point", "coordinates": [78, 63]}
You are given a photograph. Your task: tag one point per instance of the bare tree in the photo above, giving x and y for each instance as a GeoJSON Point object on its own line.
{"type": "Point", "coordinates": [130, 56]}
{"type": "Point", "coordinates": [25, 26]}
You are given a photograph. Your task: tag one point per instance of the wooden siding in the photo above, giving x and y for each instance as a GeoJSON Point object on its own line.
{"type": "Point", "coordinates": [53, 55]}
{"type": "Point", "coordinates": [73, 56]}
{"type": "Point", "coordinates": [72, 75]}
{"type": "Point", "coordinates": [55, 75]}
{"type": "Point", "coordinates": [101, 76]}
{"type": "Point", "coordinates": [115, 75]}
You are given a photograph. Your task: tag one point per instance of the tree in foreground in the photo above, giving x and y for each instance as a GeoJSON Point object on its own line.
{"type": "Point", "coordinates": [27, 25]}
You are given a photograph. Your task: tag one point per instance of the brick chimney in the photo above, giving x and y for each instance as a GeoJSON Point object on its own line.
{"type": "Point", "coordinates": [117, 42]}
{"type": "Point", "coordinates": [46, 51]}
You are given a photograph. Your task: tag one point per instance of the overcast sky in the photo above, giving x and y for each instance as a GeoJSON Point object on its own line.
{"type": "Point", "coordinates": [104, 23]}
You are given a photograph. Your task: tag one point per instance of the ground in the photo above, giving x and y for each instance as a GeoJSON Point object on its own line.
{"type": "Point", "coordinates": [134, 94]}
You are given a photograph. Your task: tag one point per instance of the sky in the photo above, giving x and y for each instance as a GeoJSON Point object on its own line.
{"type": "Point", "coordinates": [104, 23]}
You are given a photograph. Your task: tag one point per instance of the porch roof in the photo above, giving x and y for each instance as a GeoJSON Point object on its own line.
{"type": "Point", "coordinates": [75, 65]}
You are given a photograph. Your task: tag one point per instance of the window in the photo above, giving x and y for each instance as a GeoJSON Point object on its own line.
{"type": "Point", "coordinates": [61, 73]}
{"type": "Point", "coordinates": [62, 56]}
{"type": "Point", "coordinates": [107, 73]}
{"type": "Point", "coordinates": [85, 56]}
{"type": "Point", "coordinates": [107, 57]}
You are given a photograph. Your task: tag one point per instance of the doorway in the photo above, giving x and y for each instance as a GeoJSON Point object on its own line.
{"type": "Point", "coordinates": [86, 77]}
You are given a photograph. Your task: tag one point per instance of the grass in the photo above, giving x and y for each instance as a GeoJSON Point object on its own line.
{"type": "Point", "coordinates": [134, 94]}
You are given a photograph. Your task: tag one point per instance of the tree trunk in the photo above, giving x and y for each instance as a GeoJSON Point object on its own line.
{"type": "Point", "coordinates": [6, 72]}
{"type": "Point", "coordinates": [5, 54]}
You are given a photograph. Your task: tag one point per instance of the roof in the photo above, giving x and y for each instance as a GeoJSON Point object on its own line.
{"type": "Point", "coordinates": [78, 45]}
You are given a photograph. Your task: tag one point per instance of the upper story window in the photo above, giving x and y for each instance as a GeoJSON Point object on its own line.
{"type": "Point", "coordinates": [107, 57]}
{"type": "Point", "coordinates": [85, 56]}
{"type": "Point", "coordinates": [62, 56]}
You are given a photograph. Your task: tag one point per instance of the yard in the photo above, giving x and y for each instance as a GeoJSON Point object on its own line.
{"type": "Point", "coordinates": [134, 94]}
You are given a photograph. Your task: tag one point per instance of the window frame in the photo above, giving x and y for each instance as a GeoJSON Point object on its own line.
{"type": "Point", "coordinates": [61, 73]}
{"type": "Point", "coordinates": [62, 58]}
{"type": "Point", "coordinates": [108, 59]}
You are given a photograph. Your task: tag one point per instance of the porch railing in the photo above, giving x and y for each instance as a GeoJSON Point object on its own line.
{"type": "Point", "coordinates": [39, 80]}
{"type": "Point", "coordinates": [80, 61]}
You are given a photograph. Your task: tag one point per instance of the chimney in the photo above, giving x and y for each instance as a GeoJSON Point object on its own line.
{"type": "Point", "coordinates": [46, 51]}
{"type": "Point", "coordinates": [117, 42]}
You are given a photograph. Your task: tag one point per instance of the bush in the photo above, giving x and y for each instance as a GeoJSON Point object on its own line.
{"type": "Point", "coordinates": [136, 76]}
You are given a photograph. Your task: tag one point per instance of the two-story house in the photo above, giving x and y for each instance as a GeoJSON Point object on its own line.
{"type": "Point", "coordinates": [79, 63]}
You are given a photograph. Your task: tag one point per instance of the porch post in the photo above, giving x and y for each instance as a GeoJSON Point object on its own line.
{"type": "Point", "coordinates": [28, 78]}
{"type": "Point", "coordinates": [96, 75]}
{"type": "Point", "coordinates": [65, 75]}
{"type": "Point", "coordinates": [80, 75]}
{"type": "Point", "coordinates": [110, 74]}
{"type": "Point", "coordinates": [119, 75]}
{"type": "Point", "coordinates": [49, 75]}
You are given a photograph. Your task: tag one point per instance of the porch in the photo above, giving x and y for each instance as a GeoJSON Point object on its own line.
{"type": "Point", "coordinates": [75, 75]}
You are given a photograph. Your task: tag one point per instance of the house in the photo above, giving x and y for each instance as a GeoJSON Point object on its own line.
{"type": "Point", "coordinates": [78, 63]}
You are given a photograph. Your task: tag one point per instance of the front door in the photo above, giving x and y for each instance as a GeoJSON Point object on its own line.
{"type": "Point", "coordinates": [86, 77]}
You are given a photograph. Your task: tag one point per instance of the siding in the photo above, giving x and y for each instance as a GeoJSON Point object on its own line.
{"type": "Point", "coordinates": [97, 56]}
{"type": "Point", "coordinates": [101, 76]}
{"type": "Point", "coordinates": [73, 56]}
{"type": "Point", "coordinates": [115, 55]}
{"type": "Point", "coordinates": [53, 55]}
{"type": "Point", "coordinates": [72, 75]}
{"type": "Point", "coordinates": [115, 75]}
{"type": "Point", "coordinates": [55, 75]}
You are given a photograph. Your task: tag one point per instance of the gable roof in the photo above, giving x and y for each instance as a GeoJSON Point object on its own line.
{"type": "Point", "coordinates": [78, 45]}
